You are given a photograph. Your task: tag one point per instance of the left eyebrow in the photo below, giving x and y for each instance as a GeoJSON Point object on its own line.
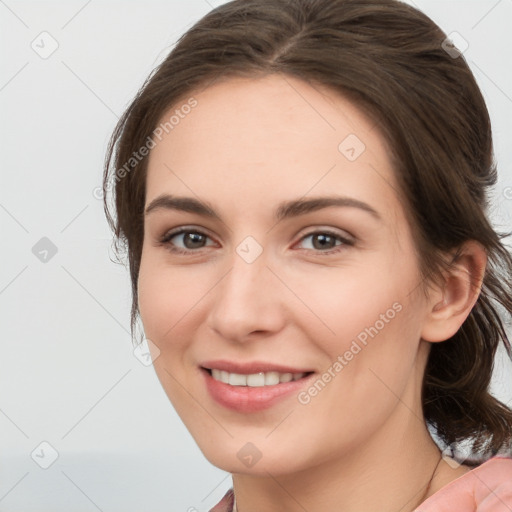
{"type": "Point", "coordinates": [285, 210]}
{"type": "Point", "coordinates": [297, 207]}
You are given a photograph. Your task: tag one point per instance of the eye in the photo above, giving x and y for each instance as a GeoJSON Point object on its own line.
{"type": "Point", "coordinates": [185, 240]}
{"type": "Point", "coordinates": [325, 241]}
{"type": "Point", "coordinates": [188, 240]}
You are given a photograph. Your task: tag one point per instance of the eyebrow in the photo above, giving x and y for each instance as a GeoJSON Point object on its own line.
{"type": "Point", "coordinates": [285, 210]}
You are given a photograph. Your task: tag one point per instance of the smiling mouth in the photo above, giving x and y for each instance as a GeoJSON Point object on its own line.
{"type": "Point", "coordinates": [252, 387]}
{"type": "Point", "coordinates": [259, 379]}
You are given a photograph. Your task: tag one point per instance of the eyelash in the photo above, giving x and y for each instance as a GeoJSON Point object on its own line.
{"type": "Point", "coordinates": [166, 241]}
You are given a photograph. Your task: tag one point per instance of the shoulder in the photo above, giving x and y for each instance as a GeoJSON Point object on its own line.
{"type": "Point", "coordinates": [493, 484]}
{"type": "Point", "coordinates": [225, 504]}
{"type": "Point", "coordinates": [486, 488]}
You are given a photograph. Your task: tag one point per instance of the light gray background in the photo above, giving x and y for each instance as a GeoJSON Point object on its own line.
{"type": "Point", "coordinates": [68, 376]}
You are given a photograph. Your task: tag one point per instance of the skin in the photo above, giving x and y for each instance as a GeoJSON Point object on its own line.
{"type": "Point", "coordinates": [361, 443]}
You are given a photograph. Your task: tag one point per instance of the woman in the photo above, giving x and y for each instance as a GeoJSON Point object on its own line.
{"type": "Point", "coordinates": [301, 190]}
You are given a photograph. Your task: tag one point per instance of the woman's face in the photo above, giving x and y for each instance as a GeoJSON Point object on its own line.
{"type": "Point", "coordinates": [275, 243]}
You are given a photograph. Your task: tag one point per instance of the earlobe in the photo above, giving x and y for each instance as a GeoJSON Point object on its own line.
{"type": "Point", "coordinates": [452, 301]}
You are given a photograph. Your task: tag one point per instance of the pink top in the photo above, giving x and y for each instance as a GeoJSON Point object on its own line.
{"type": "Point", "coordinates": [487, 488]}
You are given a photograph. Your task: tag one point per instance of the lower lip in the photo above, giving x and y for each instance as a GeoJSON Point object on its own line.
{"type": "Point", "coordinates": [251, 399]}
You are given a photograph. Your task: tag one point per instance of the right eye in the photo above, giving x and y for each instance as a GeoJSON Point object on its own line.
{"type": "Point", "coordinates": [185, 240]}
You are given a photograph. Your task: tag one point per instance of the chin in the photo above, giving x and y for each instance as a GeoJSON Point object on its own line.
{"type": "Point", "coordinates": [254, 457]}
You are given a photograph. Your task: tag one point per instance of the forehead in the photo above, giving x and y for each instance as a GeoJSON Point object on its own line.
{"type": "Point", "coordinates": [273, 135]}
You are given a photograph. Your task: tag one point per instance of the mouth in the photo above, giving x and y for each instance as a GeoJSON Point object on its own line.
{"type": "Point", "coordinates": [255, 380]}
{"type": "Point", "coordinates": [253, 387]}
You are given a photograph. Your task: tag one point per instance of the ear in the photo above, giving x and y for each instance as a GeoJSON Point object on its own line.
{"type": "Point", "coordinates": [451, 301]}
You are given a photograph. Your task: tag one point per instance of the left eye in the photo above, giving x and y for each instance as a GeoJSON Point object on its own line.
{"type": "Point", "coordinates": [324, 241]}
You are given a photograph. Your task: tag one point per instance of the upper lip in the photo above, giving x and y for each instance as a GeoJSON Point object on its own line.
{"type": "Point", "coordinates": [248, 368]}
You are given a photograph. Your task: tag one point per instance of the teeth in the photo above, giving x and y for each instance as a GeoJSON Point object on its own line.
{"type": "Point", "coordinates": [236, 379]}
{"type": "Point", "coordinates": [271, 378]}
{"type": "Point", "coordinates": [255, 379]}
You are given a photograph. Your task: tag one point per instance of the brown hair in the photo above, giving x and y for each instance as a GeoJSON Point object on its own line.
{"type": "Point", "coordinates": [393, 62]}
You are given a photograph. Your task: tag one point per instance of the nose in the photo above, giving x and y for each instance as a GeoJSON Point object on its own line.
{"type": "Point", "coordinates": [247, 304]}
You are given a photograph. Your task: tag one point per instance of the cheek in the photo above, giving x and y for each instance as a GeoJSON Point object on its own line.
{"type": "Point", "coordinates": [362, 300]}
{"type": "Point", "coordinates": [166, 297]}
{"type": "Point", "coordinates": [369, 330]}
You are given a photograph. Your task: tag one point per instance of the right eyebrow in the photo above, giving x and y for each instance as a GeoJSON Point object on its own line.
{"type": "Point", "coordinates": [185, 204]}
